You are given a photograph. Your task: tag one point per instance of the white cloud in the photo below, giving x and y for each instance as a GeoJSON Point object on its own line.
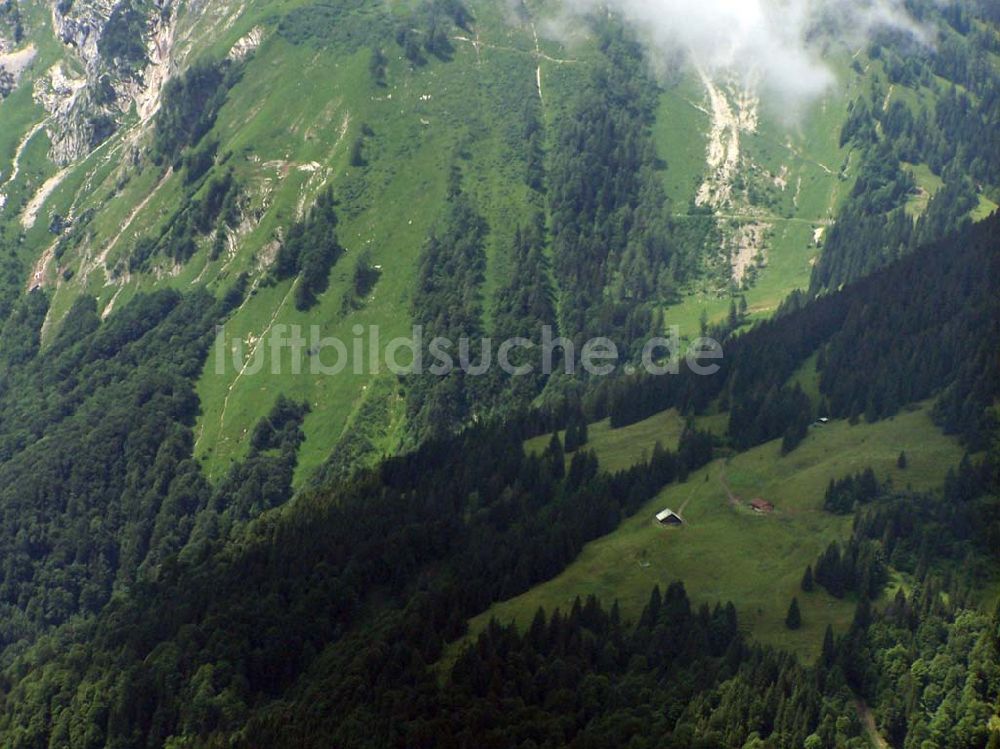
{"type": "Point", "coordinates": [775, 43]}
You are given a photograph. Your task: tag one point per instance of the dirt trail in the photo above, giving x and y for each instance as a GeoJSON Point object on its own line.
{"type": "Point", "coordinates": [539, 54]}
{"type": "Point", "coordinates": [759, 217]}
{"type": "Point", "coordinates": [871, 729]}
{"type": "Point", "coordinates": [479, 45]}
{"type": "Point", "coordinates": [687, 501]}
{"type": "Point", "coordinates": [733, 499]}
{"type": "Point", "coordinates": [110, 306]}
{"type": "Point", "coordinates": [250, 357]}
{"type": "Point", "coordinates": [41, 266]}
{"type": "Point", "coordinates": [30, 214]}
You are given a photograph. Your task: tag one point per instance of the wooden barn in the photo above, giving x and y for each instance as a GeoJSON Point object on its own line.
{"type": "Point", "coordinates": [669, 517]}
{"type": "Point", "coordinates": [761, 505]}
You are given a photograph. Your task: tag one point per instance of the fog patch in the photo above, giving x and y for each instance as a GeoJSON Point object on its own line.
{"type": "Point", "coordinates": [775, 46]}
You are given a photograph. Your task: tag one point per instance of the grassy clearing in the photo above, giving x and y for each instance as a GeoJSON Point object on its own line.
{"type": "Point", "coordinates": [807, 377]}
{"type": "Point", "coordinates": [617, 449]}
{"type": "Point", "coordinates": [728, 553]}
{"type": "Point", "coordinates": [928, 184]}
{"type": "Point", "coordinates": [984, 210]}
{"type": "Point", "coordinates": [681, 137]}
{"type": "Point", "coordinates": [715, 423]}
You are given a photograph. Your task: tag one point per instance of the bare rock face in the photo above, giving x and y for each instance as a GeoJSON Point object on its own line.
{"type": "Point", "coordinates": [125, 52]}
{"type": "Point", "coordinates": [81, 27]}
{"type": "Point", "coordinates": [247, 44]}
{"type": "Point", "coordinates": [65, 98]}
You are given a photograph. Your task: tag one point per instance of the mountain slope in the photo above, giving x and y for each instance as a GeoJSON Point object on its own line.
{"type": "Point", "coordinates": [202, 543]}
{"type": "Point", "coordinates": [318, 623]}
{"type": "Point", "coordinates": [308, 106]}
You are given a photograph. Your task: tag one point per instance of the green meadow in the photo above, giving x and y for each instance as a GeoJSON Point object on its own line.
{"type": "Point", "coordinates": [726, 552]}
{"type": "Point", "coordinates": [617, 449]}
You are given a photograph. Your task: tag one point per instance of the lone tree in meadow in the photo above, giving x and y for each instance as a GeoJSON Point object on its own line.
{"type": "Point", "coordinates": [794, 618]}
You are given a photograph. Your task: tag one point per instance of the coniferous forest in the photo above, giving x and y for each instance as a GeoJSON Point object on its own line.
{"type": "Point", "coordinates": [342, 603]}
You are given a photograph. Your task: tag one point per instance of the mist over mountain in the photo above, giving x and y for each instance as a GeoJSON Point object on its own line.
{"type": "Point", "coordinates": [776, 45]}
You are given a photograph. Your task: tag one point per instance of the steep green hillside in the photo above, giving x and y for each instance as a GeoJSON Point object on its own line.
{"type": "Point", "coordinates": [725, 552]}
{"type": "Point", "coordinates": [339, 96]}
{"type": "Point", "coordinates": [327, 621]}
{"type": "Point", "coordinates": [206, 540]}
{"type": "Point", "coordinates": [304, 99]}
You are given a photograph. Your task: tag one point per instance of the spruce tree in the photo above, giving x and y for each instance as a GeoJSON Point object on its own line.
{"type": "Point", "coordinates": [901, 461]}
{"type": "Point", "coordinates": [377, 66]}
{"type": "Point", "coordinates": [829, 647]}
{"type": "Point", "coordinates": [571, 442]}
{"type": "Point", "coordinates": [652, 611]}
{"type": "Point", "coordinates": [995, 631]}
{"type": "Point", "coordinates": [807, 580]}
{"type": "Point", "coordinates": [538, 630]}
{"type": "Point", "coordinates": [556, 456]}
{"type": "Point", "coordinates": [862, 614]}
{"type": "Point", "coordinates": [794, 618]}
{"type": "Point", "coordinates": [358, 152]}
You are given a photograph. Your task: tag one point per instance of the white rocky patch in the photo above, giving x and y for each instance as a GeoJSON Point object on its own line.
{"type": "Point", "coordinates": [157, 72]}
{"type": "Point", "coordinates": [30, 214]}
{"type": "Point", "coordinates": [748, 246]}
{"type": "Point", "coordinates": [15, 63]}
{"type": "Point", "coordinates": [733, 112]}
{"type": "Point", "coordinates": [68, 102]}
{"type": "Point", "coordinates": [781, 179]}
{"type": "Point", "coordinates": [247, 43]}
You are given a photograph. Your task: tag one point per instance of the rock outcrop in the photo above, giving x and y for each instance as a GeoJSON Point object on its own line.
{"type": "Point", "coordinates": [87, 109]}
